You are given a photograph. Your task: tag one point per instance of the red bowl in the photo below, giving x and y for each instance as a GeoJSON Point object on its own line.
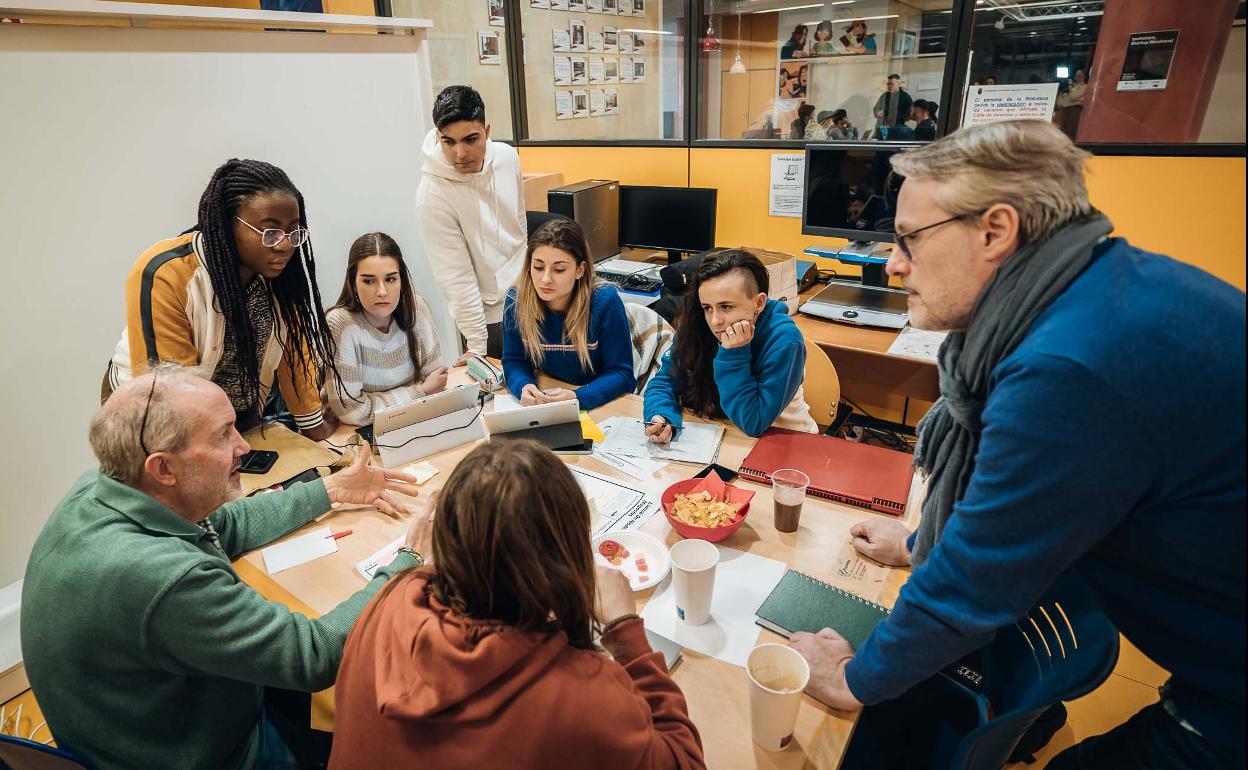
{"type": "Point", "coordinates": [711, 534]}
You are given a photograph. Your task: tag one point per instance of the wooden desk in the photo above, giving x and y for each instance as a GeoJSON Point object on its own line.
{"type": "Point", "coordinates": [860, 354]}
{"type": "Point", "coordinates": [716, 691]}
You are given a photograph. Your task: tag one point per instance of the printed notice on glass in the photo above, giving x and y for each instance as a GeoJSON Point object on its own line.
{"type": "Point", "coordinates": [1146, 67]}
{"type": "Point", "coordinates": [788, 176]}
{"type": "Point", "coordinates": [989, 104]}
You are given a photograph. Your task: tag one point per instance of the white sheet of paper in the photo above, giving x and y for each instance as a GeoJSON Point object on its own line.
{"type": "Point", "coordinates": [613, 504]}
{"type": "Point", "coordinates": [696, 442]}
{"type": "Point", "coordinates": [383, 556]}
{"type": "Point", "coordinates": [917, 343]}
{"type": "Point", "coordinates": [301, 549]}
{"type": "Point", "coordinates": [640, 468]}
{"type": "Point", "coordinates": [423, 471]}
{"type": "Point", "coordinates": [742, 581]}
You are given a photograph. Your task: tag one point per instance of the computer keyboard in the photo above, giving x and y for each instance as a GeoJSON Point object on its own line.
{"type": "Point", "coordinates": [642, 284]}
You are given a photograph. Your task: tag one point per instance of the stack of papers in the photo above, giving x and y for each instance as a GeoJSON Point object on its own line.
{"type": "Point", "coordinates": [916, 343]}
{"type": "Point", "coordinates": [613, 505]}
{"type": "Point", "coordinates": [696, 442]}
{"type": "Point", "coordinates": [742, 582]}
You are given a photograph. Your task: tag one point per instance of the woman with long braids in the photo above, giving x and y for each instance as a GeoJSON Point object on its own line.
{"type": "Point", "coordinates": [737, 354]}
{"type": "Point", "coordinates": [235, 295]}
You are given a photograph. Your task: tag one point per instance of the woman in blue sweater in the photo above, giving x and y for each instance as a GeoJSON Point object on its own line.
{"type": "Point", "coordinates": [557, 320]}
{"type": "Point", "coordinates": [737, 354]}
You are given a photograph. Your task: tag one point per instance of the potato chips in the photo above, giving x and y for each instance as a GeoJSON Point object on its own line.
{"type": "Point", "coordinates": [702, 510]}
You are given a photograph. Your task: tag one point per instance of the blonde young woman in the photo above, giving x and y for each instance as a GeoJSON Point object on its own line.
{"type": "Point", "coordinates": [557, 320]}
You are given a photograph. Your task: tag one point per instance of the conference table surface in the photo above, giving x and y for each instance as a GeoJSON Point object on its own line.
{"type": "Point", "coordinates": [716, 691]}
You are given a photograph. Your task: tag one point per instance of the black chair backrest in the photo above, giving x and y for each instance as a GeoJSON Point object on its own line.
{"type": "Point", "coordinates": [535, 219]}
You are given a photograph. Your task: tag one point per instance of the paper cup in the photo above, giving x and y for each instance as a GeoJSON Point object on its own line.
{"type": "Point", "coordinates": [778, 675]}
{"type": "Point", "coordinates": [693, 579]}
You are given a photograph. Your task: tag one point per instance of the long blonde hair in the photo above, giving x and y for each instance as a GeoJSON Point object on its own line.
{"type": "Point", "coordinates": [567, 236]}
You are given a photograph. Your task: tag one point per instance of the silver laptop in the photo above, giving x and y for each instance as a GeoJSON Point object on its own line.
{"type": "Point", "coordinates": [398, 417]}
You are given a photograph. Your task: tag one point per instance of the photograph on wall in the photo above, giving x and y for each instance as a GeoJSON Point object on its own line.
{"type": "Point", "coordinates": [558, 5]}
{"type": "Point", "coordinates": [497, 15]}
{"type": "Point", "coordinates": [639, 42]}
{"type": "Point", "coordinates": [563, 71]}
{"type": "Point", "coordinates": [563, 105]}
{"type": "Point", "coordinates": [489, 47]}
{"type": "Point", "coordinates": [859, 35]}
{"type": "Point", "coordinates": [625, 8]}
{"type": "Point", "coordinates": [597, 71]}
{"type": "Point", "coordinates": [792, 80]}
{"type": "Point", "coordinates": [594, 6]}
{"type": "Point", "coordinates": [639, 70]}
{"type": "Point", "coordinates": [597, 103]}
{"type": "Point", "coordinates": [595, 42]}
{"type": "Point", "coordinates": [1146, 67]}
{"type": "Point", "coordinates": [580, 104]}
{"type": "Point", "coordinates": [626, 42]}
{"type": "Point", "coordinates": [905, 44]}
{"type": "Point", "coordinates": [563, 41]}
{"type": "Point", "coordinates": [539, 3]}
{"type": "Point", "coordinates": [610, 6]}
{"type": "Point", "coordinates": [611, 69]}
{"type": "Point", "coordinates": [612, 99]}
{"type": "Point", "coordinates": [611, 39]}
{"type": "Point", "coordinates": [576, 30]}
{"type": "Point", "coordinates": [576, 6]}
{"type": "Point", "coordinates": [580, 73]}
{"type": "Point", "coordinates": [639, 7]}
{"type": "Point", "coordinates": [626, 69]}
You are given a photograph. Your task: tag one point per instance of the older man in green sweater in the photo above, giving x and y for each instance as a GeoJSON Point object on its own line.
{"type": "Point", "coordinates": [143, 646]}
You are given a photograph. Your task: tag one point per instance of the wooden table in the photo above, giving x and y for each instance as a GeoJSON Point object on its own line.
{"type": "Point", "coordinates": [716, 691]}
{"type": "Point", "coordinates": [860, 354]}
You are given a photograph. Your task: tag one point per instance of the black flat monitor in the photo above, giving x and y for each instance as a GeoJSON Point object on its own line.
{"type": "Point", "coordinates": [851, 193]}
{"type": "Point", "coordinates": [678, 220]}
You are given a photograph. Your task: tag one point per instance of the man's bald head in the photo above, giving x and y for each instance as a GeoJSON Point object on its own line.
{"type": "Point", "coordinates": [176, 403]}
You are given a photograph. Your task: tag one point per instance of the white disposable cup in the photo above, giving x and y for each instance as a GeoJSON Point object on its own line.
{"type": "Point", "coordinates": [778, 675]}
{"type": "Point", "coordinates": [693, 579]}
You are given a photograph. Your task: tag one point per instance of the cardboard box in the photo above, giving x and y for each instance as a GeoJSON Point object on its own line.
{"type": "Point", "coordinates": [781, 275]}
{"type": "Point", "coordinates": [535, 186]}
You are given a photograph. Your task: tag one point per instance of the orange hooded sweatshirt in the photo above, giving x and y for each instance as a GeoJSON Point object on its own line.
{"type": "Point", "coordinates": [421, 686]}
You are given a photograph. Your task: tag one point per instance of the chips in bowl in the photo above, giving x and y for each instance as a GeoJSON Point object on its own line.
{"type": "Point", "coordinates": [700, 509]}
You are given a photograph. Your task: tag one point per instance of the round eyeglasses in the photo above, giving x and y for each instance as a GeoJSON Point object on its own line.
{"type": "Point", "coordinates": [271, 236]}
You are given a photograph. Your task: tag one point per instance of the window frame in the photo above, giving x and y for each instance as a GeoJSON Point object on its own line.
{"type": "Point", "coordinates": [957, 62]}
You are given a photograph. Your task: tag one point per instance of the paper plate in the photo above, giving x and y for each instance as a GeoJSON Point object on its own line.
{"type": "Point", "coordinates": [639, 545]}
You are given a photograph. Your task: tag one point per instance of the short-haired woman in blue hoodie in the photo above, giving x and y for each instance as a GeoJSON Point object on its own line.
{"type": "Point", "coordinates": [737, 354]}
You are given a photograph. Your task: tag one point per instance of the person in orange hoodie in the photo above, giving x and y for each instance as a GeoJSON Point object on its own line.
{"type": "Point", "coordinates": [487, 656]}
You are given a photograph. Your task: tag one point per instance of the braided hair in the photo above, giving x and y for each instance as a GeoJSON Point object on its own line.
{"type": "Point", "coordinates": [294, 292]}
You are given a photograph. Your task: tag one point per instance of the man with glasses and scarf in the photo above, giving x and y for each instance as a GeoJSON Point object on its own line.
{"type": "Point", "coordinates": [143, 646]}
{"type": "Point", "coordinates": [1091, 418]}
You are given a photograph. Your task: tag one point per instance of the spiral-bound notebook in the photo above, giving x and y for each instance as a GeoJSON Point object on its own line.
{"type": "Point", "coordinates": [802, 603]}
{"type": "Point", "coordinates": [846, 471]}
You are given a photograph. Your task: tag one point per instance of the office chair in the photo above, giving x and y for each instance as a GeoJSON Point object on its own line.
{"type": "Point", "coordinates": [21, 754]}
{"type": "Point", "coordinates": [1062, 649]}
{"type": "Point", "coordinates": [821, 385]}
{"type": "Point", "coordinates": [535, 219]}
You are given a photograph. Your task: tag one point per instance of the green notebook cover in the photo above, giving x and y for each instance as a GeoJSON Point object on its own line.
{"type": "Point", "coordinates": [802, 603]}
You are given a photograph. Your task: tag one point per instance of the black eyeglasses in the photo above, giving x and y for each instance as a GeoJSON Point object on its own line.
{"type": "Point", "coordinates": [146, 409]}
{"type": "Point", "coordinates": [900, 238]}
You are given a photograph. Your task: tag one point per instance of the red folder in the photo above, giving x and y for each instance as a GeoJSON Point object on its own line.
{"type": "Point", "coordinates": [848, 472]}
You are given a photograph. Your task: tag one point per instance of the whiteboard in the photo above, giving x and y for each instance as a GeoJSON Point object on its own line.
{"type": "Point", "coordinates": [108, 137]}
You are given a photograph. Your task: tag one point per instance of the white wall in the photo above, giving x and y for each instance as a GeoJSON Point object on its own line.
{"type": "Point", "coordinates": [107, 139]}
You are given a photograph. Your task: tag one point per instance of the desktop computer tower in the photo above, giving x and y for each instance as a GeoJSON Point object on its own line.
{"type": "Point", "coordinates": [595, 205]}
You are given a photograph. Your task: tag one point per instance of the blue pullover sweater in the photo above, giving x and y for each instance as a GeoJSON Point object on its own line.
{"type": "Point", "coordinates": [1113, 441]}
{"type": "Point", "coordinates": [756, 382]}
{"type": "Point", "coordinates": [610, 351]}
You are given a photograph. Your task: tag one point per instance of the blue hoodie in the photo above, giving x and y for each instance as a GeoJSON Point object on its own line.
{"type": "Point", "coordinates": [756, 382]}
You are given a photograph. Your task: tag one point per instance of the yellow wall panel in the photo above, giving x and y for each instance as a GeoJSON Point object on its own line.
{"type": "Point", "coordinates": [666, 166]}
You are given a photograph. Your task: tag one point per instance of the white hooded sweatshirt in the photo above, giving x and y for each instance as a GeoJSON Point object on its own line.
{"type": "Point", "coordinates": [475, 233]}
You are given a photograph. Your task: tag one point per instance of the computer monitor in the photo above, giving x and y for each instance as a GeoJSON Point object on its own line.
{"type": "Point", "coordinates": [678, 220]}
{"type": "Point", "coordinates": [851, 193]}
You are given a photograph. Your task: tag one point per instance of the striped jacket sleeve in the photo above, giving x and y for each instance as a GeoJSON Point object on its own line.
{"type": "Point", "coordinates": [156, 316]}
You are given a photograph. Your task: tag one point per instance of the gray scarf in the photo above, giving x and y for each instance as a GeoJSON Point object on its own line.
{"type": "Point", "coordinates": [1022, 289]}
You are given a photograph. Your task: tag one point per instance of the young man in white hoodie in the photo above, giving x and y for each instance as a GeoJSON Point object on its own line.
{"type": "Point", "coordinates": [471, 208]}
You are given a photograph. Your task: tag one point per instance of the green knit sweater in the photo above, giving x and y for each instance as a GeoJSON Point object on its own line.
{"type": "Point", "coordinates": [143, 646]}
